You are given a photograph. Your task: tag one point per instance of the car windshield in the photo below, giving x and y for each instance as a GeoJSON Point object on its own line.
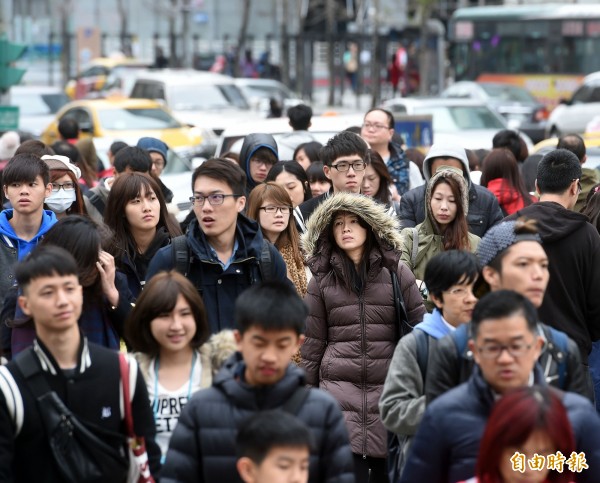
{"type": "Point", "coordinates": [198, 97]}
{"type": "Point", "coordinates": [264, 91]}
{"type": "Point", "coordinates": [507, 93]}
{"type": "Point", "coordinates": [136, 119]}
{"type": "Point", "coordinates": [39, 104]}
{"type": "Point", "coordinates": [461, 118]}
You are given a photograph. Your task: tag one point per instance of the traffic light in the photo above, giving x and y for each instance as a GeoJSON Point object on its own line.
{"type": "Point", "coordinates": [9, 53]}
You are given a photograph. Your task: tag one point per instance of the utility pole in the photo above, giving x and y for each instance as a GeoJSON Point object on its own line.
{"type": "Point", "coordinates": [375, 58]}
{"type": "Point", "coordinates": [284, 43]}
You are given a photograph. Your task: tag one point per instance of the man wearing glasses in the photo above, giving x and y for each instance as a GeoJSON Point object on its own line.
{"type": "Point", "coordinates": [506, 347]}
{"type": "Point", "coordinates": [378, 131]}
{"type": "Point", "coordinates": [223, 252]}
{"type": "Point", "coordinates": [344, 162]}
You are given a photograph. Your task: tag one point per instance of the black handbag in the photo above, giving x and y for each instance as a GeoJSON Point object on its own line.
{"type": "Point", "coordinates": [82, 451]}
{"type": "Point", "coordinates": [403, 326]}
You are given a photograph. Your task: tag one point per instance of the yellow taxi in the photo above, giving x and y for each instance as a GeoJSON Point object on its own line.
{"type": "Point", "coordinates": [95, 76]}
{"type": "Point", "coordinates": [126, 120]}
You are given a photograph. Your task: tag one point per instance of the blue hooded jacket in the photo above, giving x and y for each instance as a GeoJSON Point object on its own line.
{"type": "Point", "coordinates": [10, 238]}
{"type": "Point", "coordinates": [434, 325]}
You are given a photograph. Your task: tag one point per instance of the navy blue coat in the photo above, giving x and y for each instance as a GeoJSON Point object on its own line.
{"type": "Point", "coordinates": [446, 445]}
{"type": "Point", "coordinates": [202, 448]}
{"type": "Point", "coordinates": [220, 288]}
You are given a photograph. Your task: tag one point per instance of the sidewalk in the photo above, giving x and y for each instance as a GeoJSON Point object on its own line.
{"type": "Point", "coordinates": [346, 104]}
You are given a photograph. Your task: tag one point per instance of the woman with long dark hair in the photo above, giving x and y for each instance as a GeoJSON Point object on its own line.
{"type": "Point", "coordinates": [291, 176]}
{"type": "Point", "coordinates": [307, 153]}
{"type": "Point", "coordinates": [107, 300]}
{"type": "Point", "coordinates": [445, 225]}
{"type": "Point", "coordinates": [500, 174]}
{"type": "Point", "coordinates": [137, 214]}
{"type": "Point", "coordinates": [377, 182]}
{"type": "Point", "coordinates": [353, 247]}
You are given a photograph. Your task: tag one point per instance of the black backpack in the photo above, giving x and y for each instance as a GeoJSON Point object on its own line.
{"type": "Point", "coordinates": [183, 259]}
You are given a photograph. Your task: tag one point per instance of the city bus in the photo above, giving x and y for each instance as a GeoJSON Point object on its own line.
{"type": "Point", "coordinates": [546, 48]}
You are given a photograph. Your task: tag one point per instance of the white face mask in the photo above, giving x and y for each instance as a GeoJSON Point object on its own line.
{"type": "Point", "coordinates": [60, 201]}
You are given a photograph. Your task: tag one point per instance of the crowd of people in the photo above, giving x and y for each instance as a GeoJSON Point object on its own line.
{"type": "Point", "coordinates": [347, 312]}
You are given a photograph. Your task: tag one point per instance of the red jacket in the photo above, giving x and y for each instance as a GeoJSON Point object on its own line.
{"type": "Point", "coordinates": [509, 198]}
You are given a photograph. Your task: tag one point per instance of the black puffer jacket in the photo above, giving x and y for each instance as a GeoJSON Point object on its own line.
{"type": "Point", "coordinates": [202, 448]}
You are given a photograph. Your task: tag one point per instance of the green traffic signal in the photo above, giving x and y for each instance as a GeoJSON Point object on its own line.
{"type": "Point", "coordinates": [9, 53]}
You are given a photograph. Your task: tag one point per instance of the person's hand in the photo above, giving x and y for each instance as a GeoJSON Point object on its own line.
{"type": "Point", "coordinates": [107, 270]}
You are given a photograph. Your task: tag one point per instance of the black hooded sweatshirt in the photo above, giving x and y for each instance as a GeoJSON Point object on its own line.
{"type": "Point", "coordinates": [572, 300]}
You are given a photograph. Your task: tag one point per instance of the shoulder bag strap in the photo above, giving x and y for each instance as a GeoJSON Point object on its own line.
{"type": "Point", "coordinates": [124, 369]}
{"type": "Point", "coordinates": [294, 403]}
{"type": "Point", "coordinates": [181, 254]}
{"type": "Point", "coordinates": [32, 372]}
{"type": "Point", "coordinates": [401, 316]}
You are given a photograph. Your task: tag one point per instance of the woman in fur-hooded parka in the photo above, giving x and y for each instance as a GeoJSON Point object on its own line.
{"type": "Point", "coordinates": [351, 333]}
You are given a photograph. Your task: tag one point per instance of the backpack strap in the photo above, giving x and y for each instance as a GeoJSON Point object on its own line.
{"type": "Point", "coordinates": [266, 263]}
{"type": "Point", "coordinates": [415, 247]}
{"type": "Point", "coordinates": [557, 343]}
{"type": "Point", "coordinates": [96, 201]}
{"type": "Point", "coordinates": [294, 403]}
{"type": "Point", "coordinates": [180, 253]}
{"type": "Point", "coordinates": [12, 398]}
{"type": "Point", "coordinates": [422, 340]}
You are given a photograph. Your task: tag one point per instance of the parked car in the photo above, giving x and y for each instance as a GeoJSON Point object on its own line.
{"type": "Point", "coordinates": [468, 123]}
{"type": "Point", "coordinates": [517, 105]}
{"type": "Point", "coordinates": [37, 106]}
{"type": "Point", "coordinates": [128, 120]}
{"type": "Point", "coordinates": [259, 92]}
{"type": "Point", "coordinates": [572, 116]}
{"type": "Point", "coordinates": [592, 148]}
{"type": "Point", "coordinates": [322, 128]}
{"type": "Point", "coordinates": [94, 77]}
{"type": "Point", "coordinates": [205, 100]}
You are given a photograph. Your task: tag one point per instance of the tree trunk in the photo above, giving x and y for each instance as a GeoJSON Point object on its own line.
{"type": "Point", "coordinates": [375, 60]}
{"type": "Point", "coordinates": [330, 6]}
{"type": "Point", "coordinates": [66, 7]}
{"type": "Point", "coordinates": [186, 58]}
{"type": "Point", "coordinates": [241, 38]}
{"type": "Point", "coordinates": [424, 67]}
{"type": "Point", "coordinates": [123, 37]}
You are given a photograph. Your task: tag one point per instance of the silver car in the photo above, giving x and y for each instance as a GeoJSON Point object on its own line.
{"type": "Point", "coordinates": [572, 116]}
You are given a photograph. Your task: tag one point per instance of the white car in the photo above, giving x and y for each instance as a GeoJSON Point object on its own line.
{"type": "Point", "coordinates": [37, 105]}
{"type": "Point", "coordinates": [205, 100]}
{"type": "Point", "coordinates": [259, 92]}
{"type": "Point", "coordinates": [574, 115]}
{"type": "Point", "coordinates": [470, 124]}
{"type": "Point", "coordinates": [322, 128]}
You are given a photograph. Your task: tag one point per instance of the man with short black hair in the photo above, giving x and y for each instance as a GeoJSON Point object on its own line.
{"type": "Point", "coordinates": [223, 252]}
{"type": "Point", "coordinates": [130, 159]}
{"type": "Point", "coordinates": [300, 120]}
{"type": "Point", "coordinates": [344, 160]}
{"type": "Point", "coordinates": [270, 319]}
{"type": "Point", "coordinates": [589, 177]}
{"type": "Point", "coordinates": [506, 347]}
{"type": "Point", "coordinates": [509, 139]}
{"type": "Point", "coordinates": [68, 129]}
{"type": "Point", "coordinates": [85, 377]}
{"type": "Point", "coordinates": [572, 244]}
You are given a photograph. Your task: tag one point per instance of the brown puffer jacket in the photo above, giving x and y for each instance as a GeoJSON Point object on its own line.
{"type": "Point", "coordinates": [350, 337]}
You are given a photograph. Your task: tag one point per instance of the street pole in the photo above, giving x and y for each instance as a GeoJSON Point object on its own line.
{"type": "Point", "coordinates": [330, 5]}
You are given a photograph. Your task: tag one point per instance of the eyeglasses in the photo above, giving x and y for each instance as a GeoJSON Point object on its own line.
{"type": "Point", "coordinates": [158, 164]}
{"type": "Point", "coordinates": [260, 162]}
{"type": "Point", "coordinates": [68, 186]}
{"type": "Point", "coordinates": [493, 351]}
{"type": "Point", "coordinates": [578, 186]}
{"type": "Point", "coordinates": [460, 292]}
{"type": "Point", "coordinates": [345, 166]}
{"type": "Point", "coordinates": [376, 127]}
{"type": "Point", "coordinates": [216, 199]}
{"type": "Point", "coordinates": [285, 210]}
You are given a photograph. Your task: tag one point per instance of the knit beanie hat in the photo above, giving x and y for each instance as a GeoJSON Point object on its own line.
{"type": "Point", "coordinates": [498, 238]}
{"type": "Point", "coordinates": [153, 145]}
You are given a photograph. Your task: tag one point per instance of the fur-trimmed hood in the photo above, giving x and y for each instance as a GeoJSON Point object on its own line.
{"type": "Point", "coordinates": [447, 172]}
{"type": "Point", "coordinates": [385, 227]}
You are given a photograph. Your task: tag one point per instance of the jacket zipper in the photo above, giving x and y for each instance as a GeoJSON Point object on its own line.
{"type": "Point", "coordinates": [363, 324]}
